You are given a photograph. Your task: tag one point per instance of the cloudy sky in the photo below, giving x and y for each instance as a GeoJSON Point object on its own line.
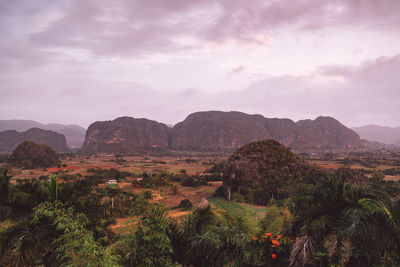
{"type": "Point", "coordinates": [78, 61]}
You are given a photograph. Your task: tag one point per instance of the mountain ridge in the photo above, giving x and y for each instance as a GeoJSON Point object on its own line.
{"type": "Point", "coordinates": [223, 131]}
{"type": "Point", "coordinates": [10, 139]}
{"type": "Point", "coordinates": [381, 134]}
{"type": "Point", "coordinates": [74, 134]}
{"type": "Point", "coordinates": [125, 134]}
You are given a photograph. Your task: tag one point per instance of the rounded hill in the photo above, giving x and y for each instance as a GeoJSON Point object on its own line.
{"type": "Point", "coordinates": [30, 155]}
{"type": "Point", "coordinates": [125, 135]}
{"type": "Point", "coordinates": [217, 130]}
{"type": "Point", "coordinates": [266, 169]}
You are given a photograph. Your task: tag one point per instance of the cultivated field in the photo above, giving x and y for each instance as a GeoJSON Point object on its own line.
{"type": "Point", "coordinates": [191, 163]}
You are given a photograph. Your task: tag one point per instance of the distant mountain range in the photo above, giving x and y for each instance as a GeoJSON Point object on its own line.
{"type": "Point", "coordinates": [10, 139]}
{"type": "Point", "coordinates": [381, 134]}
{"type": "Point", "coordinates": [200, 131]}
{"type": "Point", "coordinates": [218, 131]}
{"type": "Point", "coordinates": [74, 134]}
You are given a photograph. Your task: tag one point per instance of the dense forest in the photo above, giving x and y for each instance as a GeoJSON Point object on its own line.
{"type": "Point", "coordinates": [315, 217]}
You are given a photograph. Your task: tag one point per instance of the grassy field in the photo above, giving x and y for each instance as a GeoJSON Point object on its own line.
{"type": "Point", "coordinates": [239, 214]}
{"type": "Point", "coordinates": [246, 215]}
{"type": "Point", "coordinates": [244, 209]}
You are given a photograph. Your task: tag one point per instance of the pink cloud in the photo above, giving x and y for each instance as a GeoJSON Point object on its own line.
{"type": "Point", "coordinates": [377, 76]}
{"type": "Point", "coordinates": [235, 71]}
{"type": "Point", "coordinates": [126, 29]}
{"type": "Point", "coordinates": [136, 27]}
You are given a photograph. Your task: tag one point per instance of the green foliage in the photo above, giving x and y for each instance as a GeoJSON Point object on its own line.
{"type": "Point", "coordinates": [30, 155]}
{"type": "Point", "coordinates": [54, 236]}
{"type": "Point", "coordinates": [193, 181]}
{"type": "Point", "coordinates": [157, 180]}
{"type": "Point", "coordinates": [53, 187]}
{"type": "Point", "coordinates": [220, 246]}
{"type": "Point", "coordinates": [108, 173]}
{"type": "Point", "coordinates": [200, 221]}
{"type": "Point", "coordinates": [243, 216]}
{"type": "Point", "coordinates": [185, 204]}
{"type": "Point", "coordinates": [141, 203]}
{"type": "Point", "coordinates": [330, 218]}
{"type": "Point", "coordinates": [217, 168]}
{"type": "Point", "coordinates": [377, 177]}
{"type": "Point", "coordinates": [19, 199]}
{"type": "Point", "coordinates": [237, 197]}
{"type": "Point", "coordinates": [75, 246]}
{"type": "Point", "coordinates": [4, 187]}
{"type": "Point", "coordinates": [277, 220]}
{"type": "Point", "coordinates": [152, 245]}
{"type": "Point", "coordinates": [338, 218]}
{"type": "Point", "coordinates": [22, 244]}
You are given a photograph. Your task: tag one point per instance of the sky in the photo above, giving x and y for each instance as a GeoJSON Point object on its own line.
{"type": "Point", "coordinates": [80, 61]}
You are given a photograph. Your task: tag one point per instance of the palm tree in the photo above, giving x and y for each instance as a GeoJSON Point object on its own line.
{"type": "Point", "coordinates": [220, 246]}
{"type": "Point", "coordinates": [375, 222]}
{"type": "Point", "coordinates": [112, 191]}
{"type": "Point", "coordinates": [152, 246]}
{"type": "Point", "coordinates": [22, 198]}
{"type": "Point", "coordinates": [200, 221]}
{"type": "Point", "coordinates": [23, 244]}
{"type": "Point", "coordinates": [53, 236]}
{"type": "Point", "coordinates": [52, 187]}
{"type": "Point", "coordinates": [321, 220]}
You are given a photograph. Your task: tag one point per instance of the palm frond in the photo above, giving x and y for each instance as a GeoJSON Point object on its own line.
{"type": "Point", "coordinates": [302, 251]}
{"type": "Point", "coordinates": [339, 248]}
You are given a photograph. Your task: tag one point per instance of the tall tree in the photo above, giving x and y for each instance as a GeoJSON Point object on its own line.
{"type": "Point", "coordinates": [152, 245]}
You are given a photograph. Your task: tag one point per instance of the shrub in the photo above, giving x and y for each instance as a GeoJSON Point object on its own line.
{"type": "Point", "coordinates": [185, 204]}
{"type": "Point", "coordinates": [193, 181]}
{"type": "Point", "coordinates": [237, 197]}
{"type": "Point", "coordinates": [157, 180]}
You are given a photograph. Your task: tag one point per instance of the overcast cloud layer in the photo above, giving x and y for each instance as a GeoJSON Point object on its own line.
{"type": "Point", "coordinates": [79, 61]}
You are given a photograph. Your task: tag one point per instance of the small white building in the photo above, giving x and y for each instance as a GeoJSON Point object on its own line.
{"type": "Point", "coordinates": [112, 181]}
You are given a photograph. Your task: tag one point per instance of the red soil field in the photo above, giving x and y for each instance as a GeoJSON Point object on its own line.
{"type": "Point", "coordinates": [55, 169]}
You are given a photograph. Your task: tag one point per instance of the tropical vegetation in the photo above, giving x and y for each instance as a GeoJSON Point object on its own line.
{"type": "Point", "coordinates": [309, 217]}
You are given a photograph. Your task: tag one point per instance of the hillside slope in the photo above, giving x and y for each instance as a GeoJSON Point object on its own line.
{"type": "Point", "coordinates": [9, 140]}
{"type": "Point", "coordinates": [74, 134]}
{"type": "Point", "coordinates": [125, 134]}
{"type": "Point", "coordinates": [216, 130]}
{"type": "Point", "coordinates": [382, 134]}
{"type": "Point", "coordinates": [266, 169]}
